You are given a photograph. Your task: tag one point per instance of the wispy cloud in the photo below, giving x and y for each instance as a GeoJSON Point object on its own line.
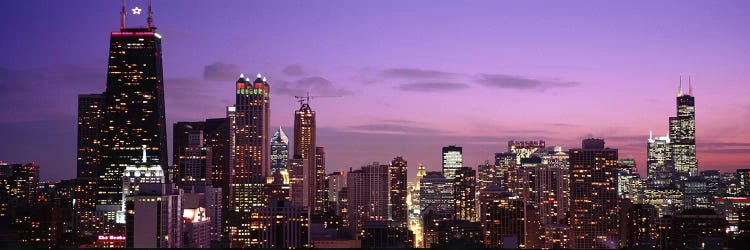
{"type": "Point", "coordinates": [432, 86]}
{"type": "Point", "coordinates": [413, 73]}
{"type": "Point", "coordinates": [221, 72]}
{"type": "Point", "coordinates": [293, 70]}
{"type": "Point", "coordinates": [520, 82]}
{"type": "Point", "coordinates": [315, 85]}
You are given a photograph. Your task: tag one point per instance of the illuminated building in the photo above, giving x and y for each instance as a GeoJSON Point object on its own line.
{"type": "Point", "coordinates": [696, 193]}
{"type": "Point", "coordinates": [682, 135]}
{"type": "Point", "coordinates": [155, 217]}
{"type": "Point", "coordinates": [277, 187]}
{"type": "Point", "coordinates": [698, 228]}
{"type": "Point", "coordinates": [283, 225]}
{"type": "Point", "coordinates": [208, 199]}
{"type": "Point", "coordinates": [660, 166]}
{"type": "Point", "coordinates": [197, 228]}
{"type": "Point", "coordinates": [524, 149]}
{"type": "Point", "coordinates": [386, 234]}
{"type": "Point", "coordinates": [296, 179]}
{"type": "Point", "coordinates": [641, 229]}
{"type": "Point", "coordinates": [436, 191]}
{"type": "Point", "coordinates": [743, 224]}
{"type": "Point", "coordinates": [556, 236]}
{"type": "Point", "coordinates": [594, 205]}
{"type": "Point", "coordinates": [459, 233]}
{"type": "Point", "coordinates": [628, 179]}
{"type": "Point", "coordinates": [251, 158]}
{"type": "Point", "coordinates": [134, 177]}
{"type": "Point", "coordinates": [554, 188]}
{"type": "Point", "coordinates": [464, 194]}
{"type": "Point", "coordinates": [90, 122]}
{"type": "Point", "coordinates": [397, 171]}
{"type": "Point", "coordinates": [320, 182]}
{"type": "Point", "coordinates": [502, 216]}
{"type": "Point", "coordinates": [193, 158]}
{"type": "Point", "coordinates": [304, 148]}
{"type": "Point", "coordinates": [368, 195]}
{"type": "Point", "coordinates": [667, 201]}
{"type": "Point", "coordinates": [487, 175]}
{"type": "Point", "coordinates": [743, 178]}
{"type": "Point", "coordinates": [184, 134]}
{"type": "Point", "coordinates": [336, 181]}
{"type": "Point", "coordinates": [279, 150]}
{"type": "Point", "coordinates": [134, 112]}
{"type": "Point", "coordinates": [714, 186]}
{"type": "Point", "coordinates": [505, 163]}
{"type": "Point", "coordinates": [452, 161]}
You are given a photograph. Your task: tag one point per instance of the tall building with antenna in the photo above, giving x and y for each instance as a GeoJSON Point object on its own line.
{"type": "Point", "coordinates": [682, 134]}
{"type": "Point", "coordinates": [304, 148]}
{"type": "Point", "coordinates": [133, 112]}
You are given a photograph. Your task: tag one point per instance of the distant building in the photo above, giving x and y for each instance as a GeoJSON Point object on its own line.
{"type": "Point", "coordinates": [279, 150]}
{"type": "Point", "coordinates": [193, 159]}
{"type": "Point", "coordinates": [660, 166]}
{"type": "Point", "coordinates": [743, 177]}
{"type": "Point", "coordinates": [459, 233]}
{"type": "Point", "coordinates": [452, 161]}
{"type": "Point", "coordinates": [698, 228]}
{"type": "Point", "coordinates": [386, 234]}
{"type": "Point", "coordinates": [682, 135]}
{"type": "Point", "coordinates": [437, 191]}
{"type": "Point", "coordinates": [641, 228]}
{"type": "Point", "coordinates": [502, 216]}
{"type": "Point", "coordinates": [398, 172]}
{"type": "Point", "coordinates": [283, 225]}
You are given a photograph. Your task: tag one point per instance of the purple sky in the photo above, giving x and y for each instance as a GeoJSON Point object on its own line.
{"type": "Point", "coordinates": [414, 75]}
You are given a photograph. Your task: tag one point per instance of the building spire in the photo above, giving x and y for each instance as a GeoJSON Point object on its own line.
{"type": "Point", "coordinates": [122, 16]}
{"type": "Point", "coordinates": [690, 86]}
{"type": "Point", "coordinates": [150, 16]}
{"type": "Point", "coordinates": [144, 155]}
{"type": "Point", "coordinates": [679, 89]}
{"type": "Point", "coordinates": [650, 134]}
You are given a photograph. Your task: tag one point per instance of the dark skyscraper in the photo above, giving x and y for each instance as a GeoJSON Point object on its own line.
{"type": "Point", "coordinates": [682, 135]}
{"type": "Point", "coordinates": [251, 157]}
{"type": "Point", "coordinates": [90, 121]}
{"type": "Point", "coordinates": [398, 171]}
{"type": "Point", "coordinates": [134, 115]}
{"type": "Point", "coordinates": [594, 206]}
{"type": "Point", "coordinates": [320, 179]}
{"type": "Point", "coordinates": [304, 148]}
{"type": "Point", "coordinates": [181, 139]}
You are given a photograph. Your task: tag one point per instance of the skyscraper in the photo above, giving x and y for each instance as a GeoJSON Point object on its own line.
{"type": "Point", "coordinates": [682, 135]}
{"type": "Point", "coordinates": [320, 180]}
{"type": "Point", "coordinates": [133, 106]}
{"type": "Point", "coordinates": [502, 217]}
{"type": "Point", "coordinates": [464, 194]}
{"type": "Point", "coordinates": [251, 157]}
{"type": "Point", "coordinates": [304, 148]}
{"type": "Point", "coordinates": [279, 150]}
{"type": "Point", "coordinates": [397, 171]}
{"type": "Point", "coordinates": [181, 135]}
{"type": "Point", "coordinates": [452, 161]}
{"type": "Point", "coordinates": [660, 166]}
{"type": "Point", "coordinates": [593, 196]}
{"type": "Point", "coordinates": [193, 159]}
{"type": "Point", "coordinates": [90, 122]}
{"type": "Point", "coordinates": [368, 195]}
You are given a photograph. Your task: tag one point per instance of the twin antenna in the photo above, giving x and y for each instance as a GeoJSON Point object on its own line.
{"type": "Point", "coordinates": [306, 98]}
{"type": "Point", "coordinates": [123, 13]}
{"type": "Point", "coordinates": [690, 87]}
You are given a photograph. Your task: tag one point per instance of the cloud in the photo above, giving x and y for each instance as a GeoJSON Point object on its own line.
{"type": "Point", "coordinates": [393, 129]}
{"type": "Point", "coordinates": [315, 85]}
{"type": "Point", "coordinates": [521, 83]}
{"type": "Point", "coordinates": [221, 72]}
{"type": "Point", "coordinates": [293, 70]}
{"type": "Point", "coordinates": [432, 86]}
{"type": "Point", "coordinates": [411, 73]}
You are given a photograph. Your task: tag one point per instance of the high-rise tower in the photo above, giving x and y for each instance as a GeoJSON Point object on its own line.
{"type": "Point", "coordinates": [304, 148]}
{"type": "Point", "coordinates": [397, 171]}
{"type": "Point", "coordinates": [452, 161]}
{"type": "Point", "coordinates": [134, 113]}
{"type": "Point", "coordinates": [251, 156]}
{"type": "Point", "coordinates": [682, 134]}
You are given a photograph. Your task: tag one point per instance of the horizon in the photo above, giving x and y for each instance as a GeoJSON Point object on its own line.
{"type": "Point", "coordinates": [405, 92]}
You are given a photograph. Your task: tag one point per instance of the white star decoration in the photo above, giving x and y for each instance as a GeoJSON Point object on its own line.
{"type": "Point", "coordinates": [136, 10]}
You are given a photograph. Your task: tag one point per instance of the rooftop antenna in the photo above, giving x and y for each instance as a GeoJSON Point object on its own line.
{"type": "Point", "coordinates": [144, 154]}
{"type": "Point", "coordinates": [679, 89]}
{"type": "Point", "coordinates": [150, 15]}
{"type": "Point", "coordinates": [690, 86]}
{"type": "Point", "coordinates": [122, 16]}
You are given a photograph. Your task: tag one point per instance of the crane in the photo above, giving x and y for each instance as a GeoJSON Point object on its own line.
{"type": "Point", "coordinates": [306, 98]}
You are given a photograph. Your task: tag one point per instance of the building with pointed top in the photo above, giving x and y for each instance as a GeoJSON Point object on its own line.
{"type": "Point", "coordinates": [279, 151]}
{"type": "Point", "coordinates": [305, 149]}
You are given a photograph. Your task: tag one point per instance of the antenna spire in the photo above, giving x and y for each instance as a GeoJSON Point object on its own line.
{"type": "Point", "coordinates": [690, 86]}
{"type": "Point", "coordinates": [144, 154]}
{"type": "Point", "coordinates": [679, 89]}
{"type": "Point", "coordinates": [150, 15]}
{"type": "Point", "coordinates": [650, 134]}
{"type": "Point", "coordinates": [122, 16]}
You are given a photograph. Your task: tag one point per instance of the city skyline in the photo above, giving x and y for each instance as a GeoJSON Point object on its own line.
{"type": "Point", "coordinates": [533, 93]}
